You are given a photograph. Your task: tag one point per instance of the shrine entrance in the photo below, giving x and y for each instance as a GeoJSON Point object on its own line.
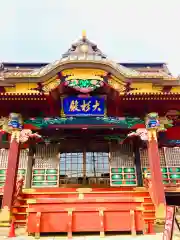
{"type": "Point", "coordinates": [84, 159]}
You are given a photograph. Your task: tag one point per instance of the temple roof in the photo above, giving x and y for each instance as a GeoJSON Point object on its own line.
{"type": "Point", "coordinates": [131, 69]}
{"type": "Point", "coordinates": [85, 54]}
{"type": "Point", "coordinates": [31, 65]}
{"type": "Point", "coordinates": [83, 47]}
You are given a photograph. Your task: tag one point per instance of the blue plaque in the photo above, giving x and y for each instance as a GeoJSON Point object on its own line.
{"type": "Point", "coordinates": [83, 106]}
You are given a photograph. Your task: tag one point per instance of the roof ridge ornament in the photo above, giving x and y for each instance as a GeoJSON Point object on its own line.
{"type": "Point", "coordinates": [83, 49]}
{"type": "Point", "coordinates": [84, 36]}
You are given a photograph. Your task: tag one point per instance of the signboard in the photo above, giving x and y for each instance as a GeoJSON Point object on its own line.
{"type": "Point", "coordinates": [83, 106]}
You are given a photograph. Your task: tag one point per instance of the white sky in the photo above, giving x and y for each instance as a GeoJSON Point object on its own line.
{"type": "Point", "coordinates": [126, 30]}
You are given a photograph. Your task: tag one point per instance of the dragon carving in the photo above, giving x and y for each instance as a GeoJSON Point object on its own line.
{"type": "Point", "coordinates": [13, 125]}
{"type": "Point", "coordinates": [152, 121]}
{"type": "Point", "coordinates": [4, 125]}
{"type": "Point", "coordinates": [140, 132]}
{"type": "Point", "coordinates": [25, 134]}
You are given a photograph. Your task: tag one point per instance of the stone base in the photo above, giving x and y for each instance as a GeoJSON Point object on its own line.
{"type": "Point", "coordinates": [4, 231]}
{"type": "Point", "coordinates": [161, 213]}
{"type": "Point", "coordinates": [5, 215]}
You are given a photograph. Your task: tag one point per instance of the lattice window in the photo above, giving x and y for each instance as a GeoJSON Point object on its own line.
{"type": "Point", "coordinates": [122, 166]}
{"type": "Point", "coordinates": [46, 156]}
{"type": "Point", "coordinates": [144, 158]}
{"type": "Point", "coordinates": [3, 165]}
{"type": "Point", "coordinates": [97, 164]}
{"type": "Point", "coordinates": [71, 165]}
{"type": "Point", "coordinates": [23, 157]}
{"type": "Point", "coordinates": [170, 164]}
{"type": "Point", "coordinates": [4, 158]}
{"type": "Point", "coordinates": [46, 167]}
{"type": "Point", "coordinates": [145, 161]}
{"type": "Point", "coordinates": [122, 156]}
{"type": "Point", "coordinates": [172, 156]}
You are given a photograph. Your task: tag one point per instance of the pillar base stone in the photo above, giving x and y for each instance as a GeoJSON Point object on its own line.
{"type": "Point", "coordinates": [161, 213]}
{"type": "Point", "coordinates": [5, 215]}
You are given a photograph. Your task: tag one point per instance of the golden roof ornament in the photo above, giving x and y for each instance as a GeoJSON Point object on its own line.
{"type": "Point", "coordinates": [83, 45]}
{"type": "Point", "coordinates": [83, 34]}
{"type": "Point", "coordinates": [84, 48]}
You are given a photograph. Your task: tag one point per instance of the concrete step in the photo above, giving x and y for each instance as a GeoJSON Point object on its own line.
{"type": "Point", "coordinates": [21, 235]}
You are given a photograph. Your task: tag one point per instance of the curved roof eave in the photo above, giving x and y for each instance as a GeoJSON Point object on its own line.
{"type": "Point", "coordinates": [50, 70]}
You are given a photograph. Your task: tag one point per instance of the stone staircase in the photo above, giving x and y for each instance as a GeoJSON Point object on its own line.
{"type": "Point", "coordinates": [20, 214]}
{"type": "Point", "coordinates": [49, 197]}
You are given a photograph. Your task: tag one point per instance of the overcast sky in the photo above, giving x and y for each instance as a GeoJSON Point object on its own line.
{"type": "Point", "coordinates": [126, 30]}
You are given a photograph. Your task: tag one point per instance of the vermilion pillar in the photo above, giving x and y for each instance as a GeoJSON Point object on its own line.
{"type": "Point", "coordinates": [11, 175]}
{"type": "Point", "coordinates": [156, 175]}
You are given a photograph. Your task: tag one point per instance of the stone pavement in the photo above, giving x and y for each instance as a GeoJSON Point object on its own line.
{"type": "Point", "coordinates": [21, 236]}
{"type": "Point", "coordinates": [118, 237]}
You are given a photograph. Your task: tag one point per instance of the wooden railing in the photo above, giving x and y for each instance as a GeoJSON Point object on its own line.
{"type": "Point", "coordinates": [89, 181]}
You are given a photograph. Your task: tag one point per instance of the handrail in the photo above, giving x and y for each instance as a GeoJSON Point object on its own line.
{"type": "Point", "coordinates": [148, 185]}
{"type": "Point", "coordinates": [169, 223]}
{"type": "Point", "coordinates": [18, 190]}
{"type": "Point", "coordinates": [177, 223]}
{"type": "Point", "coordinates": [159, 206]}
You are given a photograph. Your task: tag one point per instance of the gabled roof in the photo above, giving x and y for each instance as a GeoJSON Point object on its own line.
{"type": "Point", "coordinates": [9, 65]}
{"type": "Point", "coordinates": [142, 65]}
{"type": "Point", "coordinates": [84, 53]}
{"type": "Point", "coordinates": [34, 65]}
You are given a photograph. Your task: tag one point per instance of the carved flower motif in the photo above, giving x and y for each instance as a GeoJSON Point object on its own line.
{"type": "Point", "coordinates": [84, 85]}
{"type": "Point", "coordinates": [94, 82]}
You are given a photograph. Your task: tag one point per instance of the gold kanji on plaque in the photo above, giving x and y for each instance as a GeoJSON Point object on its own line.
{"type": "Point", "coordinates": [74, 106]}
{"type": "Point", "coordinates": [96, 106]}
{"type": "Point", "coordinates": [86, 106]}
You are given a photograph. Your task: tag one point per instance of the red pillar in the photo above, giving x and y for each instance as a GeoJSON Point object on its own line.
{"type": "Point", "coordinates": [156, 175]}
{"type": "Point", "coordinates": [11, 176]}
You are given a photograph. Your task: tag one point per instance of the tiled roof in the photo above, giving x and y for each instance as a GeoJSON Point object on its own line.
{"type": "Point", "coordinates": [85, 52]}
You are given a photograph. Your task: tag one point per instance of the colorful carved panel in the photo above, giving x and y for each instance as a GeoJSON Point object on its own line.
{"type": "Point", "coordinates": [169, 174]}
{"type": "Point", "coordinates": [4, 162]}
{"type": "Point", "coordinates": [170, 166]}
{"type": "Point", "coordinates": [46, 168]}
{"type": "Point", "coordinates": [83, 80]}
{"type": "Point", "coordinates": [84, 85]}
{"type": "Point", "coordinates": [121, 122]}
{"type": "Point", "coordinates": [45, 177]}
{"type": "Point", "coordinates": [122, 166]}
{"type": "Point", "coordinates": [51, 84]}
{"type": "Point", "coordinates": [2, 177]}
{"type": "Point", "coordinates": [172, 156]}
{"type": "Point", "coordinates": [123, 176]}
